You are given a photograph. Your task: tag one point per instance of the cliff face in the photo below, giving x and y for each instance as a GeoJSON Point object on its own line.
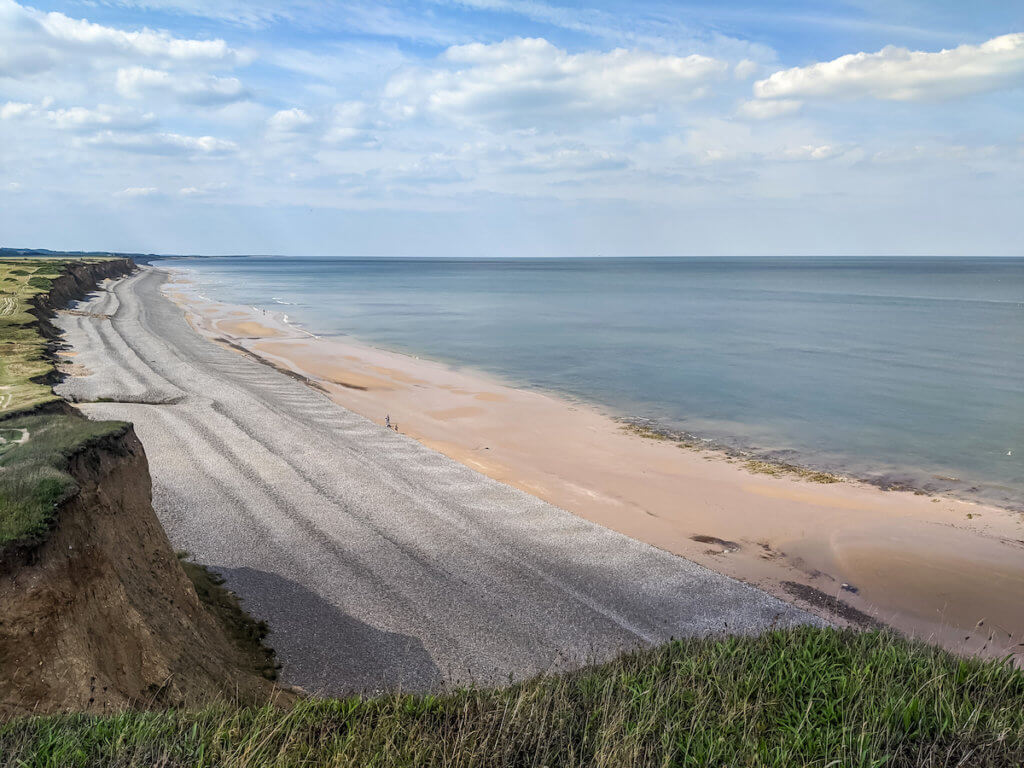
{"type": "Point", "coordinates": [75, 283]}
{"type": "Point", "coordinates": [103, 616]}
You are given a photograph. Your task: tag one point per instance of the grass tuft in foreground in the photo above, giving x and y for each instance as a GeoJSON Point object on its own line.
{"type": "Point", "coordinates": [804, 697]}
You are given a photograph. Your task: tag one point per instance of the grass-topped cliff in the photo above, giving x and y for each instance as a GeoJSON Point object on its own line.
{"type": "Point", "coordinates": [34, 476]}
{"type": "Point", "coordinates": [96, 610]}
{"type": "Point", "coordinates": [25, 362]}
{"type": "Point", "coordinates": [37, 435]}
{"type": "Point", "coordinates": [805, 697]}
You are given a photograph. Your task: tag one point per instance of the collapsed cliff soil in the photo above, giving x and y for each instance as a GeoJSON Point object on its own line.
{"type": "Point", "coordinates": [102, 616]}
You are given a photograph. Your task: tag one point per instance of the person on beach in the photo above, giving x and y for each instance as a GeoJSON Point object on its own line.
{"type": "Point", "coordinates": [387, 421]}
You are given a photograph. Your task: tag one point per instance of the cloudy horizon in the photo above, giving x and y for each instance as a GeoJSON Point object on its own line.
{"type": "Point", "coordinates": [512, 127]}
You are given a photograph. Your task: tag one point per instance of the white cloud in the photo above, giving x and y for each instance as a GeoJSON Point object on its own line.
{"type": "Point", "coordinates": [351, 123]}
{"type": "Point", "coordinates": [81, 118]}
{"type": "Point", "coordinates": [32, 42]}
{"type": "Point", "coordinates": [900, 74]}
{"type": "Point", "coordinates": [14, 109]}
{"type": "Point", "coordinates": [203, 190]}
{"type": "Point", "coordinates": [810, 152]}
{"type": "Point", "coordinates": [568, 160]}
{"type": "Point", "coordinates": [137, 192]}
{"type": "Point", "coordinates": [145, 42]}
{"type": "Point", "coordinates": [289, 121]}
{"type": "Point", "coordinates": [525, 82]}
{"type": "Point", "coordinates": [204, 90]}
{"type": "Point", "coordinates": [745, 69]}
{"type": "Point", "coordinates": [162, 143]}
{"type": "Point", "coordinates": [767, 109]}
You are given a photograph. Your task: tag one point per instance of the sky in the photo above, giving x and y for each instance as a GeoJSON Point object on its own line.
{"type": "Point", "coordinates": [513, 127]}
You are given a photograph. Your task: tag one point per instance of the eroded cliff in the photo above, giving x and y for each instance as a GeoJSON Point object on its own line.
{"type": "Point", "coordinates": [97, 612]}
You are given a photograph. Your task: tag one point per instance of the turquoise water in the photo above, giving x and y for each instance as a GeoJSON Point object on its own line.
{"type": "Point", "coordinates": [902, 369]}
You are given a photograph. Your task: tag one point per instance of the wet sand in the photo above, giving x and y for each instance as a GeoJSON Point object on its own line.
{"type": "Point", "coordinates": [945, 570]}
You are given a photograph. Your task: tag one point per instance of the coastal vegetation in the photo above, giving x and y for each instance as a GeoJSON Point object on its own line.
{"type": "Point", "coordinates": [782, 469]}
{"type": "Point", "coordinates": [24, 359]}
{"type": "Point", "coordinates": [34, 476]}
{"type": "Point", "coordinates": [245, 632]}
{"type": "Point", "coordinates": [802, 697]}
{"type": "Point", "coordinates": [34, 446]}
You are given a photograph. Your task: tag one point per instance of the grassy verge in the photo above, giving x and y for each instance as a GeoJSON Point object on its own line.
{"type": "Point", "coordinates": [806, 697]}
{"type": "Point", "coordinates": [33, 471]}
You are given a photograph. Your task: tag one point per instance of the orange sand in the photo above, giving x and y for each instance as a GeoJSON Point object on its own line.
{"type": "Point", "coordinates": [940, 569]}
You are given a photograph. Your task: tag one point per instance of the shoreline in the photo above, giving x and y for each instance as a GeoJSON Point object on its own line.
{"type": "Point", "coordinates": [930, 566]}
{"type": "Point", "coordinates": [377, 562]}
{"type": "Point", "coordinates": [769, 462]}
{"type": "Point", "coordinates": [942, 482]}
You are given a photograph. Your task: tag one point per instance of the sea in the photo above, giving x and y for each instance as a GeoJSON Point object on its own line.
{"type": "Point", "coordinates": [907, 372]}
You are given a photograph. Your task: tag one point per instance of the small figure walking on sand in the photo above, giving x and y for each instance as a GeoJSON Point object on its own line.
{"type": "Point", "coordinates": [387, 421]}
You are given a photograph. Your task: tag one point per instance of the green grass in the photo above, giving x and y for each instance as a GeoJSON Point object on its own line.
{"type": "Point", "coordinates": [33, 474]}
{"type": "Point", "coordinates": [806, 697]}
{"type": "Point", "coordinates": [24, 358]}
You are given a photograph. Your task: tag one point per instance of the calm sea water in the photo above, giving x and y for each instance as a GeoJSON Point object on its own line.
{"type": "Point", "coordinates": [901, 368]}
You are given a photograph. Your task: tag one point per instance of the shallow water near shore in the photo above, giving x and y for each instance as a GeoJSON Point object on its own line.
{"type": "Point", "coordinates": [907, 370]}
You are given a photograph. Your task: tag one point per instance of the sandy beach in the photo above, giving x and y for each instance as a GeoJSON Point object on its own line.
{"type": "Point", "coordinates": [945, 570]}
{"type": "Point", "coordinates": [377, 562]}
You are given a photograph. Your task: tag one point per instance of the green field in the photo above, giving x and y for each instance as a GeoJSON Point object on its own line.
{"type": "Point", "coordinates": [807, 697]}
{"type": "Point", "coordinates": [33, 447]}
